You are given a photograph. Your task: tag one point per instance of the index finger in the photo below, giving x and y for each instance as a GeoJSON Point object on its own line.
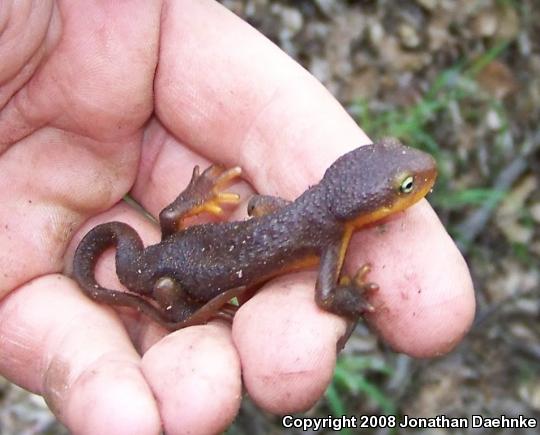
{"type": "Point", "coordinates": [232, 95]}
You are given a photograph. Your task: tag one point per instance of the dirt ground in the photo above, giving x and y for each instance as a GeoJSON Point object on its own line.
{"type": "Point", "coordinates": [460, 79]}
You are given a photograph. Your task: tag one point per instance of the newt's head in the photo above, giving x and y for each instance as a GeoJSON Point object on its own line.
{"type": "Point", "coordinates": [375, 181]}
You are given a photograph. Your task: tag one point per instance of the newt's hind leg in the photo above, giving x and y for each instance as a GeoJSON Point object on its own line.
{"type": "Point", "coordinates": [178, 310]}
{"type": "Point", "coordinates": [174, 303]}
{"type": "Point", "coordinates": [203, 194]}
{"type": "Point", "coordinates": [260, 205]}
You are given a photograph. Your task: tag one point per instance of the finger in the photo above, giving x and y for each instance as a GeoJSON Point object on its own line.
{"type": "Point", "coordinates": [56, 344]}
{"type": "Point", "coordinates": [94, 99]}
{"type": "Point", "coordinates": [195, 376]}
{"type": "Point", "coordinates": [233, 96]}
{"type": "Point", "coordinates": [287, 345]}
{"type": "Point", "coordinates": [425, 303]}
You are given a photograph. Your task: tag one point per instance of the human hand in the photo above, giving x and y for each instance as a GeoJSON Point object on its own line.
{"type": "Point", "coordinates": [101, 99]}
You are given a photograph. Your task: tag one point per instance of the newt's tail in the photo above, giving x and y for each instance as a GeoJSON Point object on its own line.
{"type": "Point", "coordinates": [129, 248]}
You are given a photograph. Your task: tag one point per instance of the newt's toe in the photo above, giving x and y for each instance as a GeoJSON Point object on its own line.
{"type": "Point", "coordinates": [227, 175]}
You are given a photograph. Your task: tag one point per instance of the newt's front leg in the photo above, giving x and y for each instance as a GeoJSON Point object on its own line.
{"type": "Point", "coordinates": [344, 296]}
{"type": "Point", "coordinates": [203, 194]}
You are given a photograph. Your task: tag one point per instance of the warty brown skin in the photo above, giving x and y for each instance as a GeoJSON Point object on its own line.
{"type": "Point", "coordinates": [193, 272]}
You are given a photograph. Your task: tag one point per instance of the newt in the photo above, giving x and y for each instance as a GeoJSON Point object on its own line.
{"type": "Point", "coordinates": [194, 271]}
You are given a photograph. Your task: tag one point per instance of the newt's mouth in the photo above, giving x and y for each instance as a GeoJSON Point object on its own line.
{"type": "Point", "coordinates": [424, 181]}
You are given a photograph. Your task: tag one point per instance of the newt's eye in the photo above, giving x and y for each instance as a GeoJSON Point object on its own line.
{"type": "Point", "coordinates": [407, 185]}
